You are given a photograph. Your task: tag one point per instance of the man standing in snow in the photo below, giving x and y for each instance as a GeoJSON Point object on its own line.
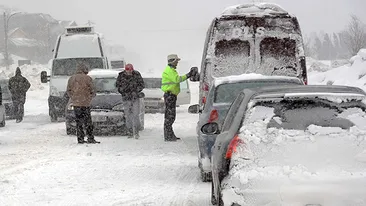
{"type": "Point", "coordinates": [80, 90]}
{"type": "Point", "coordinates": [18, 86]}
{"type": "Point", "coordinates": [171, 88]}
{"type": "Point", "coordinates": [130, 85]}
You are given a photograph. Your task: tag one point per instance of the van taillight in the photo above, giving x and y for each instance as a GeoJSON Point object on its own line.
{"type": "Point", "coordinates": [214, 115]}
{"type": "Point", "coordinates": [232, 146]}
{"type": "Point", "coordinates": [204, 100]}
{"type": "Point", "coordinates": [306, 82]}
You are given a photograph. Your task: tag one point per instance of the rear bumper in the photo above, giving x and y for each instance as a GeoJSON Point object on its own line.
{"type": "Point", "coordinates": [283, 191]}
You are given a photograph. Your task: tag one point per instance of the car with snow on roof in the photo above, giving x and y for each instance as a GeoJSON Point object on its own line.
{"type": "Point", "coordinates": [291, 145]}
{"type": "Point", "coordinates": [6, 99]}
{"type": "Point", "coordinates": [107, 108]}
{"type": "Point", "coordinates": [258, 38]}
{"type": "Point", "coordinates": [222, 93]}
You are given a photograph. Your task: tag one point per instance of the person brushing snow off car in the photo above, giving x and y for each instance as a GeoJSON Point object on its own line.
{"type": "Point", "coordinates": [171, 87]}
{"type": "Point", "coordinates": [130, 85]}
{"type": "Point", "coordinates": [18, 86]}
{"type": "Point", "coordinates": [80, 89]}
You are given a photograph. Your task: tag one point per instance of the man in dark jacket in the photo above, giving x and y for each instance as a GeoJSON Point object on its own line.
{"type": "Point", "coordinates": [80, 89]}
{"type": "Point", "coordinates": [130, 85]}
{"type": "Point", "coordinates": [18, 86]}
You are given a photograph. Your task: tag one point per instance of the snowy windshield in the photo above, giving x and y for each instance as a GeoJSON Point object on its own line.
{"type": "Point", "coordinates": [68, 67]}
{"type": "Point", "coordinates": [117, 64]}
{"type": "Point", "coordinates": [305, 114]}
{"type": "Point", "coordinates": [79, 46]}
{"type": "Point", "coordinates": [105, 85]}
{"type": "Point", "coordinates": [226, 93]}
{"type": "Point", "coordinates": [5, 90]}
{"type": "Point", "coordinates": [152, 83]}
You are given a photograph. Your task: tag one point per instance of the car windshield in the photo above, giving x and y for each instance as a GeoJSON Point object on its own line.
{"type": "Point", "coordinates": [152, 83]}
{"type": "Point", "coordinates": [105, 85]}
{"type": "Point", "coordinates": [67, 67]}
{"type": "Point", "coordinates": [306, 114]}
{"type": "Point", "coordinates": [5, 90]}
{"type": "Point", "coordinates": [226, 93]}
{"type": "Point", "coordinates": [117, 64]}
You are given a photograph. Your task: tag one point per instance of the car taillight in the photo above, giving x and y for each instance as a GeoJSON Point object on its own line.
{"type": "Point", "coordinates": [232, 146]}
{"type": "Point", "coordinates": [306, 82]}
{"type": "Point", "coordinates": [204, 100]}
{"type": "Point", "coordinates": [205, 87]}
{"type": "Point", "coordinates": [214, 115]}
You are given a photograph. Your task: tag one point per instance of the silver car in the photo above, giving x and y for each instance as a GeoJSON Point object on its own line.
{"type": "Point", "coordinates": [107, 110]}
{"type": "Point", "coordinates": [291, 145]}
{"type": "Point", "coordinates": [221, 94]}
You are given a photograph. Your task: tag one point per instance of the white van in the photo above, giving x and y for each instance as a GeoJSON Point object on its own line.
{"type": "Point", "coordinates": [258, 38]}
{"type": "Point", "coordinates": [77, 45]}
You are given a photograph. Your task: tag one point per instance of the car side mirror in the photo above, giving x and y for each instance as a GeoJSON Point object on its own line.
{"type": "Point", "coordinates": [210, 128]}
{"type": "Point", "coordinates": [194, 109]}
{"type": "Point", "coordinates": [44, 77]}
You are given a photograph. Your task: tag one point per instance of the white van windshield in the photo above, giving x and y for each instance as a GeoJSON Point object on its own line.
{"type": "Point", "coordinates": [81, 45]}
{"type": "Point", "coordinates": [67, 67]}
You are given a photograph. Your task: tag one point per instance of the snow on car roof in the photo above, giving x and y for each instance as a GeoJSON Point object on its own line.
{"type": "Point", "coordinates": [255, 9]}
{"type": "Point", "coordinates": [251, 76]}
{"type": "Point", "coordinates": [101, 73]}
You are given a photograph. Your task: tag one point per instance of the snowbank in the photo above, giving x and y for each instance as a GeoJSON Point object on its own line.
{"type": "Point", "coordinates": [353, 74]}
{"type": "Point", "coordinates": [31, 72]}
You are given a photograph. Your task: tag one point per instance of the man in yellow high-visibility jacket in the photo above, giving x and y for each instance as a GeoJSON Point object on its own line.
{"type": "Point", "coordinates": [171, 88]}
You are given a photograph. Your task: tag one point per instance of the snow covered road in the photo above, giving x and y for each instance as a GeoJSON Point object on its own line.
{"type": "Point", "coordinates": [41, 165]}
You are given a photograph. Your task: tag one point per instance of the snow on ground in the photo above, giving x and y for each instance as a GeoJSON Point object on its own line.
{"type": "Point", "coordinates": [41, 165]}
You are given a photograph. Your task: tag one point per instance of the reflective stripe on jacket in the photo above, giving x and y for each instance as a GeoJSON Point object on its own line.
{"type": "Point", "coordinates": [171, 80]}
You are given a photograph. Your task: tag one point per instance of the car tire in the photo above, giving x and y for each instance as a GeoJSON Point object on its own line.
{"type": "Point", "coordinates": [206, 176]}
{"type": "Point", "coordinates": [213, 198]}
{"type": "Point", "coordinates": [53, 117]}
{"type": "Point", "coordinates": [2, 124]}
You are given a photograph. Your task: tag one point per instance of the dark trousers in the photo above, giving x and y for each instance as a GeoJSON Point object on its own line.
{"type": "Point", "coordinates": [170, 115]}
{"type": "Point", "coordinates": [18, 105]}
{"type": "Point", "coordinates": [83, 119]}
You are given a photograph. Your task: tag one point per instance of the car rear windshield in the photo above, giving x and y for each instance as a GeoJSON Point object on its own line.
{"type": "Point", "coordinates": [103, 85]}
{"type": "Point", "coordinates": [306, 114]}
{"type": "Point", "coordinates": [226, 93]}
{"type": "Point", "coordinates": [68, 67]}
{"type": "Point", "coordinates": [152, 83]}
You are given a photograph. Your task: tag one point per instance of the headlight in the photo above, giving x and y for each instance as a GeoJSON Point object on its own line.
{"type": "Point", "coordinates": [70, 107]}
{"type": "Point", "coordinates": [162, 98]}
{"type": "Point", "coordinates": [118, 107]}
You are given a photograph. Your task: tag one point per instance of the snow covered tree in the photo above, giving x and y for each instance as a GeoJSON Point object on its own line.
{"type": "Point", "coordinates": [327, 50]}
{"type": "Point", "coordinates": [355, 35]}
{"type": "Point", "coordinates": [318, 47]}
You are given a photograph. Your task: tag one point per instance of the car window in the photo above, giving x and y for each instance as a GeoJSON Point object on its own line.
{"type": "Point", "coordinates": [230, 116]}
{"type": "Point", "coordinates": [226, 93]}
{"type": "Point", "coordinates": [152, 83]}
{"type": "Point", "coordinates": [105, 84]}
{"type": "Point", "coordinates": [305, 114]}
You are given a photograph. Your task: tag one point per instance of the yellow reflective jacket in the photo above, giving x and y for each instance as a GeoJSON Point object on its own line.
{"type": "Point", "coordinates": [171, 80]}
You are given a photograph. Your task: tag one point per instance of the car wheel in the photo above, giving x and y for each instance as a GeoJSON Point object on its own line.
{"type": "Point", "coordinates": [53, 117]}
{"type": "Point", "coordinates": [206, 176]}
{"type": "Point", "coordinates": [213, 198]}
{"type": "Point", "coordinates": [2, 124]}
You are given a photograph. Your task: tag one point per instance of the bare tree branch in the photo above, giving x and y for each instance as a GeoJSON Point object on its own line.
{"type": "Point", "coordinates": [355, 35]}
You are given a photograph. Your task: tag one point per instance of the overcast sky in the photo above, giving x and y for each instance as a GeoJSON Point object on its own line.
{"type": "Point", "coordinates": [157, 27]}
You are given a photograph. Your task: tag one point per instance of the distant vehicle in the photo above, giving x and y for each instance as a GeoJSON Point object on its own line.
{"type": "Point", "coordinates": [2, 110]}
{"type": "Point", "coordinates": [222, 93]}
{"type": "Point", "coordinates": [291, 145]}
{"type": "Point", "coordinates": [118, 64]}
{"type": "Point", "coordinates": [6, 98]}
{"type": "Point", "coordinates": [258, 38]}
{"type": "Point", "coordinates": [107, 109]}
{"type": "Point", "coordinates": [77, 45]}
{"type": "Point", "coordinates": [154, 96]}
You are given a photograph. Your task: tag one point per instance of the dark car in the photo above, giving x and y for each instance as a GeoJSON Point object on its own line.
{"type": "Point", "coordinates": [221, 94]}
{"type": "Point", "coordinates": [7, 101]}
{"type": "Point", "coordinates": [291, 145]}
{"type": "Point", "coordinates": [107, 109]}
